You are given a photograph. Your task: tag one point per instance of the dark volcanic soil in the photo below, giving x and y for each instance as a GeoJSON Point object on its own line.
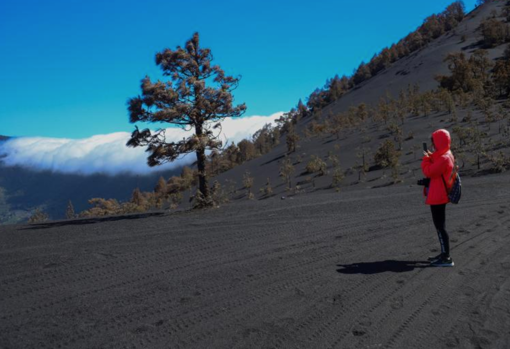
{"type": "Point", "coordinates": [325, 270]}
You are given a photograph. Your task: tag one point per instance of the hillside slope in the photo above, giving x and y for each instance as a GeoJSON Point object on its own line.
{"type": "Point", "coordinates": [27, 189]}
{"type": "Point", "coordinates": [419, 68]}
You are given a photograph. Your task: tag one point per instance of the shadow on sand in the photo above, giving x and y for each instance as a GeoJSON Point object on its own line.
{"type": "Point", "coordinates": [84, 221]}
{"type": "Point", "coordinates": [381, 267]}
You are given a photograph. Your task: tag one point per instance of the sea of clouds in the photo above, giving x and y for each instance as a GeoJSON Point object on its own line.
{"type": "Point", "coordinates": [108, 153]}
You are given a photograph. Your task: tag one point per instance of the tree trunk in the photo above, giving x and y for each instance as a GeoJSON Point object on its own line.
{"type": "Point", "coordinates": [203, 184]}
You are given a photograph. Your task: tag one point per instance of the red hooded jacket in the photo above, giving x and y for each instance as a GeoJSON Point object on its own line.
{"type": "Point", "coordinates": [439, 164]}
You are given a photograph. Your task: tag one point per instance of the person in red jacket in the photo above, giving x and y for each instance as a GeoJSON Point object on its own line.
{"type": "Point", "coordinates": [438, 167]}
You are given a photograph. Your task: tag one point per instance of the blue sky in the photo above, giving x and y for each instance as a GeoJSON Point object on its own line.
{"type": "Point", "coordinates": [67, 67]}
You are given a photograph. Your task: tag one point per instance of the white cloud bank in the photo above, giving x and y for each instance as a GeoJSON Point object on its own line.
{"type": "Point", "coordinates": [108, 153]}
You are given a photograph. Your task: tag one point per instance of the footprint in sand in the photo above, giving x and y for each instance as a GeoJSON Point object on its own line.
{"type": "Point", "coordinates": [397, 303]}
{"type": "Point", "coordinates": [102, 255]}
{"type": "Point", "coordinates": [50, 265]}
{"type": "Point", "coordinates": [335, 300]}
{"type": "Point", "coordinates": [159, 323]}
{"type": "Point", "coordinates": [505, 265]}
{"type": "Point", "coordinates": [469, 293]}
{"type": "Point", "coordinates": [358, 333]}
{"type": "Point", "coordinates": [452, 342]}
{"type": "Point", "coordinates": [365, 321]}
{"type": "Point", "coordinates": [463, 231]}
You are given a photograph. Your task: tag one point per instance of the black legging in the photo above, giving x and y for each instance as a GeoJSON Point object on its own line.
{"type": "Point", "coordinates": [438, 216]}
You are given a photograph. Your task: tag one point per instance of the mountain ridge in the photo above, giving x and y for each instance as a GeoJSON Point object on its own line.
{"type": "Point", "coordinates": [429, 62]}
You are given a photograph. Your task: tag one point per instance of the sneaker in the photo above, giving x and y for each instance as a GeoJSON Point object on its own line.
{"type": "Point", "coordinates": [433, 258]}
{"type": "Point", "coordinates": [442, 262]}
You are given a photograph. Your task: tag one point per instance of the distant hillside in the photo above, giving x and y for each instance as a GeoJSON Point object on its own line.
{"type": "Point", "coordinates": [3, 138]}
{"type": "Point", "coordinates": [24, 190]}
{"type": "Point", "coordinates": [421, 67]}
{"type": "Point", "coordinates": [356, 144]}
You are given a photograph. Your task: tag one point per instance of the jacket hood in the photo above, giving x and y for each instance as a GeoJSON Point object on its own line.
{"type": "Point", "coordinates": [442, 141]}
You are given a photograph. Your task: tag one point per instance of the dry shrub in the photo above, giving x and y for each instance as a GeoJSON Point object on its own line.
{"type": "Point", "coordinates": [38, 216]}
{"type": "Point", "coordinates": [316, 165]}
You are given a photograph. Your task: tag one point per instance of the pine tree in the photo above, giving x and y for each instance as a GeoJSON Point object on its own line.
{"type": "Point", "coordinates": [315, 165]}
{"type": "Point", "coordinates": [248, 184]}
{"type": "Point", "coordinates": [387, 155]}
{"type": "Point", "coordinates": [362, 112]}
{"type": "Point", "coordinates": [338, 177]}
{"type": "Point", "coordinates": [185, 101]}
{"type": "Point", "coordinates": [70, 214]}
{"type": "Point", "coordinates": [39, 216]}
{"type": "Point", "coordinates": [102, 207]}
{"type": "Point", "coordinates": [333, 159]}
{"type": "Point", "coordinates": [189, 177]}
{"type": "Point", "coordinates": [199, 201]}
{"type": "Point", "coordinates": [286, 171]}
{"type": "Point", "coordinates": [362, 154]}
{"type": "Point", "coordinates": [292, 139]}
{"type": "Point", "coordinates": [494, 32]}
{"type": "Point", "coordinates": [361, 74]}
{"type": "Point", "coordinates": [301, 109]}
{"type": "Point", "coordinates": [266, 139]}
{"type": "Point", "coordinates": [268, 189]}
{"type": "Point", "coordinates": [217, 193]}
{"type": "Point", "coordinates": [247, 150]}
{"type": "Point", "coordinates": [461, 77]}
{"type": "Point", "coordinates": [138, 199]}
{"type": "Point", "coordinates": [480, 66]}
{"type": "Point", "coordinates": [501, 77]}
{"type": "Point", "coordinates": [402, 106]}
{"type": "Point", "coordinates": [175, 200]}
{"type": "Point", "coordinates": [397, 133]}
{"type": "Point", "coordinates": [395, 171]}
{"type": "Point", "coordinates": [161, 189]}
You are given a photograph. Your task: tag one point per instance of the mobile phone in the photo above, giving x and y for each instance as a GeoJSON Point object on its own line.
{"type": "Point", "coordinates": [425, 149]}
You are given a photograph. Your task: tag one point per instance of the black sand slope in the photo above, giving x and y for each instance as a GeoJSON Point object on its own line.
{"type": "Point", "coordinates": [419, 68]}
{"type": "Point", "coordinates": [324, 270]}
{"type": "Point", "coordinates": [423, 66]}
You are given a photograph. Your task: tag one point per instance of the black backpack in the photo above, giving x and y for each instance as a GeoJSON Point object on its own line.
{"type": "Point", "coordinates": [455, 191]}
